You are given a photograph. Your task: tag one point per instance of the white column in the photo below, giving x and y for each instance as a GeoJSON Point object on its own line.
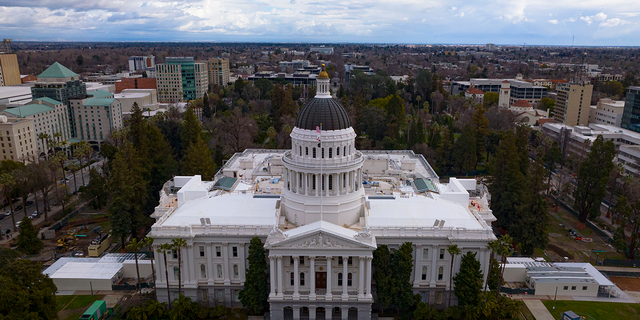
{"type": "Point", "coordinates": [192, 264]}
{"type": "Point", "coordinates": [243, 267]}
{"type": "Point", "coordinates": [272, 275]}
{"type": "Point", "coordinates": [328, 295]}
{"type": "Point", "coordinates": [317, 184]}
{"type": "Point", "coordinates": [361, 278]}
{"type": "Point", "coordinates": [306, 184]}
{"type": "Point", "coordinates": [209, 254]}
{"type": "Point", "coordinates": [296, 278]}
{"type": "Point", "coordinates": [345, 293]}
{"type": "Point", "coordinates": [369, 277]}
{"type": "Point", "coordinates": [434, 265]}
{"type": "Point", "coordinates": [326, 184]}
{"type": "Point", "coordinates": [312, 279]}
{"type": "Point", "coordinates": [159, 264]}
{"type": "Point", "coordinates": [280, 275]}
{"type": "Point", "coordinates": [416, 269]}
{"type": "Point", "coordinates": [225, 265]}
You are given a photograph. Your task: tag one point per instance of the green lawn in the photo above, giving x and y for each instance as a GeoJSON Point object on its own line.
{"type": "Point", "coordinates": [526, 313]}
{"type": "Point", "coordinates": [82, 301]}
{"type": "Point", "coordinates": [595, 310]}
{"type": "Point", "coordinates": [74, 316]}
{"type": "Point", "coordinates": [62, 301]}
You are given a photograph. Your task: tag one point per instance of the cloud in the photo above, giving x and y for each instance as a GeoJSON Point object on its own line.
{"type": "Point", "coordinates": [613, 22]}
{"type": "Point", "coordinates": [598, 17]}
{"type": "Point", "coordinates": [454, 8]}
{"type": "Point", "coordinates": [554, 21]}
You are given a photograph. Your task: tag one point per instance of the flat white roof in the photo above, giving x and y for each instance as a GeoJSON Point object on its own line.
{"type": "Point", "coordinates": [225, 209]}
{"type": "Point", "coordinates": [420, 211]}
{"type": "Point", "coordinates": [87, 270]}
{"type": "Point", "coordinates": [131, 95]}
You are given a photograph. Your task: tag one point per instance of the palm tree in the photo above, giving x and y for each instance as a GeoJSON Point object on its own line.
{"type": "Point", "coordinates": [164, 248]}
{"type": "Point", "coordinates": [83, 151]}
{"type": "Point", "coordinates": [178, 244]}
{"type": "Point", "coordinates": [44, 137]}
{"type": "Point", "coordinates": [453, 251]}
{"type": "Point", "coordinates": [136, 245]}
{"type": "Point", "coordinates": [148, 242]}
{"type": "Point", "coordinates": [61, 158]}
{"type": "Point", "coordinates": [7, 181]}
{"type": "Point", "coordinates": [505, 251]}
{"type": "Point", "coordinates": [493, 246]}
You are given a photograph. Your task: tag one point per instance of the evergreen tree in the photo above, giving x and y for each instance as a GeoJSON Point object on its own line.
{"type": "Point", "coordinates": [28, 241]}
{"type": "Point", "coordinates": [416, 133]}
{"type": "Point", "coordinates": [198, 160]}
{"type": "Point", "coordinates": [255, 294]}
{"type": "Point", "coordinates": [530, 229]}
{"type": "Point", "coordinates": [592, 179]}
{"type": "Point", "coordinates": [206, 107]}
{"type": "Point", "coordinates": [443, 150]}
{"type": "Point", "coordinates": [552, 158]}
{"type": "Point", "coordinates": [191, 129]}
{"type": "Point", "coordinates": [494, 275]}
{"type": "Point", "coordinates": [396, 116]}
{"type": "Point", "coordinates": [96, 189]}
{"type": "Point", "coordinates": [468, 281]}
{"type": "Point", "coordinates": [453, 252]}
{"type": "Point", "coordinates": [464, 151]}
{"type": "Point", "coordinates": [402, 268]}
{"type": "Point", "coordinates": [480, 125]}
{"type": "Point", "coordinates": [383, 276]}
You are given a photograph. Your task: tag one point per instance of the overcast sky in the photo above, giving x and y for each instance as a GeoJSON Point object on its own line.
{"type": "Point", "coordinates": [541, 22]}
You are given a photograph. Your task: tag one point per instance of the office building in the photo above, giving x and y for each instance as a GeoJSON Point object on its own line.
{"type": "Point", "coordinates": [320, 209]}
{"type": "Point", "coordinates": [348, 70]}
{"type": "Point", "coordinates": [49, 117]}
{"type": "Point", "coordinates": [13, 96]}
{"type": "Point", "coordinates": [306, 80]}
{"type": "Point", "coordinates": [607, 111]}
{"type": "Point", "coordinates": [218, 71]}
{"type": "Point", "coordinates": [518, 89]}
{"type": "Point", "coordinates": [631, 114]}
{"type": "Point", "coordinates": [293, 65]}
{"type": "Point", "coordinates": [321, 50]}
{"type": "Point", "coordinates": [181, 79]}
{"type": "Point", "coordinates": [136, 83]}
{"type": "Point", "coordinates": [17, 139]}
{"type": "Point", "coordinates": [96, 118]}
{"type": "Point", "coordinates": [573, 104]}
{"type": "Point", "coordinates": [9, 70]}
{"type": "Point", "coordinates": [142, 63]}
{"type": "Point", "coordinates": [60, 84]}
{"type": "Point", "coordinates": [145, 98]}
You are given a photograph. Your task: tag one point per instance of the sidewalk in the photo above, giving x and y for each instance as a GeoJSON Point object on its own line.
{"type": "Point", "coordinates": [538, 310]}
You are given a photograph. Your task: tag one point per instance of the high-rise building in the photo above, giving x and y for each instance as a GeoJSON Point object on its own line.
{"type": "Point", "coordinates": [60, 84]}
{"type": "Point", "coordinates": [9, 70]}
{"type": "Point", "coordinates": [181, 79]}
{"type": "Point", "coordinates": [573, 104]}
{"type": "Point", "coordinates": [218, 71]}
{"type": "Point", "coordinates": [631, 114]}
{"type": "Point", "coordinates": [142, 63]}
{"type": "Point", "coordinates": [49, 117]}
{"type": "Point", "coordinates": [17, 139]}
{"type": "Point", "coordinates": [96, 117]}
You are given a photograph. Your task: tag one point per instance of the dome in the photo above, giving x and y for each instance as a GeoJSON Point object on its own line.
{"type": "Point", "coordinates": [323, 75]}
{"type": "Point", "coordinates": [328, 112]}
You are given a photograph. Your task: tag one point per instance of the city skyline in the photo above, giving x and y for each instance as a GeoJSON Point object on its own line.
{"type": "Point", "coordinates": [405, 21]}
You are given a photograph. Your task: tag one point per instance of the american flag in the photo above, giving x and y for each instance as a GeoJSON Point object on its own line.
{"type": "Point", "coordinates": [318, 131]}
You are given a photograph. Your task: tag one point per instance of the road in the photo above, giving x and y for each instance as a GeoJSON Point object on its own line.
{"type": "Point", "coordinates": [6, 222]}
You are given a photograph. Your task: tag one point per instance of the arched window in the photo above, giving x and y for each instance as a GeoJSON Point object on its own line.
{"type": "Point", "coordinates": [219, 270]}
{"type": "Point", "coordinates": [176, 272]}
{"type": "Point", "coordinates": [235, 271]}
{"type": "Point", "coordinates": [340, 278]}
{"type": "Point", "coordinates": [349, 279]}
{"type": "Point", "coordinates": [314, 152]}
{"type": "Point", "coordinates": [330, 152]}
{"type": "Point", "coordinates": [302, 278]}
{"type": "Point", "coordinates": [292, 282]}
{"type": "Point", "coordinates": [424, 273]}
{"type": "Point", "coordinates": [203, 271]}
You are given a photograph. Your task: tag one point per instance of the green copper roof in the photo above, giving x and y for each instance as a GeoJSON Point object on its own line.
{"type": "Point", "coordinates": [29, 110]}
{"type": "Point", "coordinates": [98, 102]}
{"type": "Point", "coordinates": [57, 70]}
{"type": "Point", "coordinates": [100, 94]}
{"type": "Point", "coordinates": [49, 100]}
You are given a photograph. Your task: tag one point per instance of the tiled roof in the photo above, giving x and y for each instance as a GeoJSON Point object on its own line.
{"type": "Point", "coordinates": [49, 100]}
{"type": "Point", "coordinates": [57, 70]}
{"type": "Point", "coordinates": [98, 102]}
{"type": "Point", "coordinates": [29, 110]}
{"type": "Point", "coordinates": [521, 104]}
{"type": "Point", "coordinates": [474, 90]}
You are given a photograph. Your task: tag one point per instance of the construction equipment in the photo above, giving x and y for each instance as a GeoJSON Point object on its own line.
{"type": "Point", "coordinates": [99, 245]}
{"type": "Point", "coordinates": [67, 242]}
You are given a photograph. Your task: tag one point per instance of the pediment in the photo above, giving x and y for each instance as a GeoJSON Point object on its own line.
{"type": "Point", "coordinates": [323, 240]}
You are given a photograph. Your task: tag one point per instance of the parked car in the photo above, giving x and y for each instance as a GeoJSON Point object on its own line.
{"type": "Point", "coordinates": [18, 208]}
{"type": "Point", "coordinates": [8, 213]}
{"type": "Point", "coordinates": [18, 224]}
{"type": "Point", "coordinates": [29, 203]}
{"type": "Point", "coordinates": [2, 216]}
{"type": "Point", "coordinates": [34, 214]}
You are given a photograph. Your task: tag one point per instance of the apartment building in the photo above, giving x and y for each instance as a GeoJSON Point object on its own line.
{"type": "Point", "coordinates": [181, 79]}
{"type": "Point", "coordinates": [218, 69]}
{"type": "Point", "coordinates": [96, 118]}
{"type": "Point", "coordinates": [573, 104]}
{"type": "Point", "coordinates": [49, 117]}
{"type": "Point", "coordinates": [518, 89]}
{"type": "Point", "coordinates": [17, 139]}
{"type": "Point", "coordinates": [9, 70]}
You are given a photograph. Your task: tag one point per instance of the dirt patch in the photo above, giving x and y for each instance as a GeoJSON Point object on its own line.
{"type": "Point", "coordinates": [626, 283]}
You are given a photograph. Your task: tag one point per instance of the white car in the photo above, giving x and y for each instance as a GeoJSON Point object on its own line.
{"type": "Point", "coordinates": [18, 224]}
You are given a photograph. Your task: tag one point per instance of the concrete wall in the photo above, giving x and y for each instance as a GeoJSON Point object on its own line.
{"type": "Point", "coordinates": [549, 289]}
{"type": "Point", "coordinates": [129, 268]}
{"type": "Point", "coordinates": [515, 273]}
{"type": "Point", "coordinates": [82, 284]}
{"type": "Point", "coordinates": [375, 166]}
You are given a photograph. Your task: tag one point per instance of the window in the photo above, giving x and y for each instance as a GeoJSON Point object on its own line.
{"type": "Point", "coordinates": [573, 287]}
{"type": "Point", "coordinates": [292, 277]}
{"type": "Point", "coordinates": [349, 279]}
{"type": "Point", "coordinates": [203, 271]}
{"type": "Point", "coordinates": [306, 151]}
{"type": "Point", "coordinates": [330, 152]}
{"type": "Point", "coordinates": [424, 273]}
{"type": "Point", "coordinates": [340, 278]}
{"type": "Point", "coordinates": [201, 251]}
{"type": "Point", "coordinates": [302, 261]}
{"type": "Point", "coordinates": [219, 270]}
{"type": "Point", "coordinates": [425, 253]}
{"type": "Point", "coordinates": [322, 153]}
{"type": "Point", "coordinates": [565, 288]}
{"type": "Point", "coordinates": [235, 252]}
{"type": "Point", "coordinates": [584, 288]}
{"type": "Point", "coordinates": [302, 278]}
{"type": "Point", "coordinates": [176, 273]}
{"type": "Point", "coordinates": [290, 261]}
{"type": "Point", "coordinates": [218, 252]}
{"type": "Point", "coordinates": [441, 254]}
{"type": "Point", "coordinates": [300, 150]}
{"type": "Point", "coordinates": [235, 271]}
{"type": "Point", "coordinates": [337, 151]}
{"type": "Point", "coordinates": [339, 261]}
{"type": "Point", "coordinates": [314, 152]}
{"type": "Point", "coordinates": [350, 261]}
{"type": "Point", "coordinates": [175, 254]}
{"type": "Point", "coordinates": [440, 273]}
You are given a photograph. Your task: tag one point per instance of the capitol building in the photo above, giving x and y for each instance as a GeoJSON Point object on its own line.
{"type": "Point", "coordinates": [321, 209]}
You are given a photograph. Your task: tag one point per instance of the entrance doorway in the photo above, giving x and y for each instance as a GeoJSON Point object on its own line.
{"type": "Point", "coordinates": [321, 280]}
